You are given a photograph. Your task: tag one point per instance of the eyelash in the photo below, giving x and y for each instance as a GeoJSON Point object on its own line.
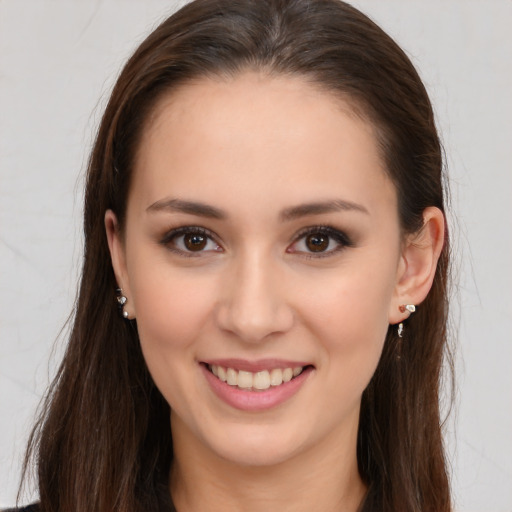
{"type": "Point", "coordinates": [173, 234]}
{"type": "Point", "coordinates": [332, 233]}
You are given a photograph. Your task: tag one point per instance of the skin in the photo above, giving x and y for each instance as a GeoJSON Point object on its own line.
{"type": "Point", "coordinates": [254, 147]}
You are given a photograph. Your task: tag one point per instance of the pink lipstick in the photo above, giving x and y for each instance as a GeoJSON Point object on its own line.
{"type": "Point", "coordinates": [255, 385]}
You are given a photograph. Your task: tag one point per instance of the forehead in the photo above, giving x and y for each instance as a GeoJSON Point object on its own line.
{"type": "Point", "coordinates": [261, 136]}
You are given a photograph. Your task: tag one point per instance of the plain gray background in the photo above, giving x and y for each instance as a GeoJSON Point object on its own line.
{"type": "Point", "coordinates": [58, 61]}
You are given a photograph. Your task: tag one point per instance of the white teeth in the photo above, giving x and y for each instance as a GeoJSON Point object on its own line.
{"type": "Point", "coordinates": [244, 379]}
{"type": "Point", "coordinates": [276, 377]}
{"type": "Point", "coordinates": [260, 380]}
{"type": "Point", "coordinates": [221, 373]}
{"type": "Point", "coordinates": [232, 377]}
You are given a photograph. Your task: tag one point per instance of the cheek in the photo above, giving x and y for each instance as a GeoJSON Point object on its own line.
{"type": "Point", "coordinates": [171, 308]}
{"type": "Point", "coordinates": [349, 317]}
{"type": "Point", "coordinates": [353, 306]}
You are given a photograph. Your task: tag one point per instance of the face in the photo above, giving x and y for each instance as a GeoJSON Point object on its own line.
{"type": "Point", "coordinates": [260, 258]}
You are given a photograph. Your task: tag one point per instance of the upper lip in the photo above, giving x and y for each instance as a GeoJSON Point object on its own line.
{"type": "Point", "coordinates": [255, 366]}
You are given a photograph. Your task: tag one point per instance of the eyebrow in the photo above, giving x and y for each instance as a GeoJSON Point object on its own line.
{"type": "Point", "coordinates": [318, 208]}
{"type": "Point", "coordinates": [190, 207]}
{"type": "Point", "coordinates": [288, 214]}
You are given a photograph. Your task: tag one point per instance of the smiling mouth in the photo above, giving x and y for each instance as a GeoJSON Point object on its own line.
{"type": "Point", "coordinates": [257, 381]}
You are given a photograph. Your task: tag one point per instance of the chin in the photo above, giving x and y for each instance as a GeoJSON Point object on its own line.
{"type": "Point", "coordinates": [257, 447]}
{"type": "Point", "coordinates": [252, 457]}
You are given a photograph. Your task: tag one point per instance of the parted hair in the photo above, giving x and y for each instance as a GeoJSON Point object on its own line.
{"type": "Point", "coordinates": [103, 440]}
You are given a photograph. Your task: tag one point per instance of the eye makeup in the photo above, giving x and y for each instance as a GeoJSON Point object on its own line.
{"type": "Point", "coordinates": [312, 242]}
{"type": "Point", "coordinates": [190, 241]}
{"type": "Point", "coordinates": [319, 242]}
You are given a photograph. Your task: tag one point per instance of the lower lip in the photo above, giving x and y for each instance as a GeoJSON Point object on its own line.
{"type": "Point", "coordinates": [246, 400]}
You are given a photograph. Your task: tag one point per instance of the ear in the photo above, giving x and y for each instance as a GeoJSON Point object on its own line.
{"type": "Point", "coordinates": [418, 263]}
{"type": "Point", "coordinates": [118, 255]}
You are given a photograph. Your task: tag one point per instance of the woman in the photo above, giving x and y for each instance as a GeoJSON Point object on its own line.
{"type": "Point", "coordinates": [263, 298]}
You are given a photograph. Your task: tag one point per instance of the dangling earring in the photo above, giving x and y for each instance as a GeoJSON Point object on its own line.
{"type": "Point", "coordinates": [121, 301]}
{"type": "Point", "coordinates": [403, 308]}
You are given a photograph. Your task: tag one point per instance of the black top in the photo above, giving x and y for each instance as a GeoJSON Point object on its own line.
{"type": "Point", "coordinates": [29, 508]}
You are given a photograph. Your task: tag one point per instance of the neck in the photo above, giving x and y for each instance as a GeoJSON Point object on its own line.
{"type": "Point", "coordinates": [324, 478]}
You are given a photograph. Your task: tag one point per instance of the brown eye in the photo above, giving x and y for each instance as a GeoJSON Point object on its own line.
{"type": "Point", "coordinates": [195, 241]}
{"type": "Point", "coordinates": [317, 242]}
{"type": "Point", "coordinates": [191, 241]}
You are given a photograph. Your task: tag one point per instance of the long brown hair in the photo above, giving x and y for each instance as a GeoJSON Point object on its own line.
{"type": "Point", "coordinates": [103, 441]}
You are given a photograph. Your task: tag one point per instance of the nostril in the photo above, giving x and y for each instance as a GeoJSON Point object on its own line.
{"type": "Point", "coordinates": [254, 322]}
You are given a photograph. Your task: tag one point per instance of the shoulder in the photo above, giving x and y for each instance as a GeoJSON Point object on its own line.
{"type": "Point", "coordinates": [29, 508]}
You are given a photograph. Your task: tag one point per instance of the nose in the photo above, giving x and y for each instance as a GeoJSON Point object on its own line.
{"type": "Point", "coordinates": [253, 303]}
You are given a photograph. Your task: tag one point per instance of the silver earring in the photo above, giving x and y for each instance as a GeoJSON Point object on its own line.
{"type": "Point", "coordinates": [411, 308]}
{"type": "Point", "coordinates": [121, 301]}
